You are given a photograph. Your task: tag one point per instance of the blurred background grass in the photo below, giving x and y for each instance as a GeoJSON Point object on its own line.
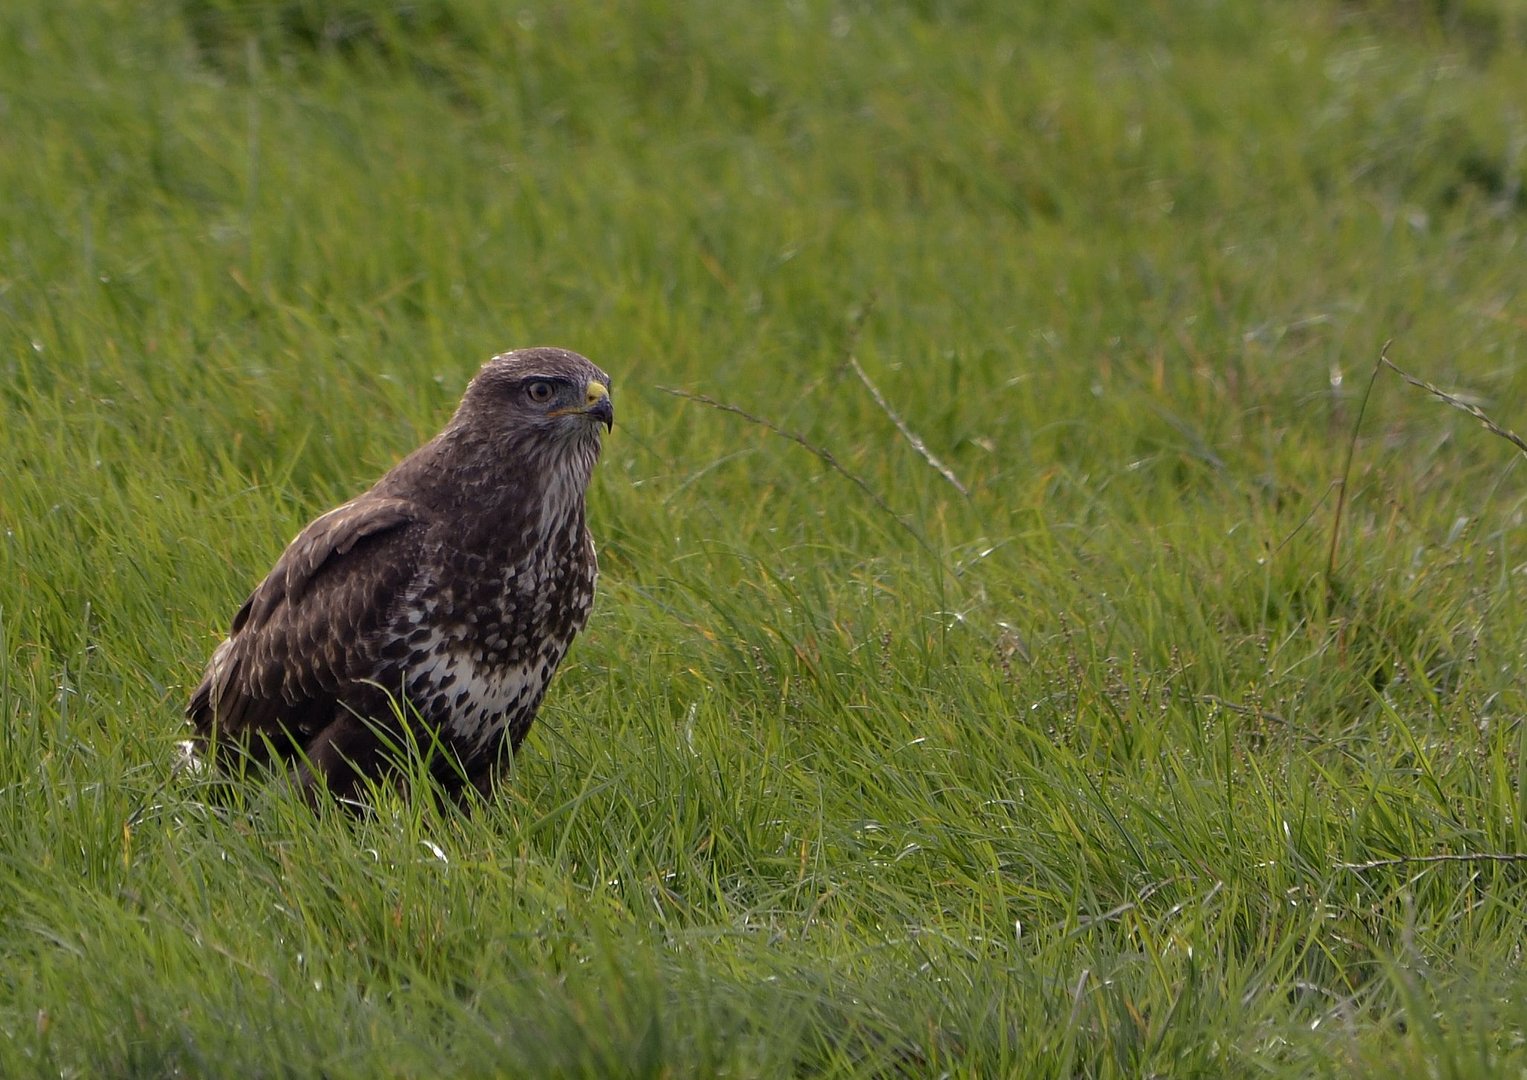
{"type": "Point", "coordinates": [1058, 778]}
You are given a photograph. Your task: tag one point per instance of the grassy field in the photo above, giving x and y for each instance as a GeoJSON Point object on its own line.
{"type": "Point", "coordinates": [1105, 769]}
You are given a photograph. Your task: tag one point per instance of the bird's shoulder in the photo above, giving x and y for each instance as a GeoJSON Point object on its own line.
{"type": "Point", "coordinates": [344, 543]}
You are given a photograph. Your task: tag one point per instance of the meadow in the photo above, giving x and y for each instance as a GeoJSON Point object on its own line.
{"type": "Point", "coordinates": [1173, 726]}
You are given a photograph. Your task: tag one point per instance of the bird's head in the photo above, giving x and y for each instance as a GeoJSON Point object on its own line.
{"type": "Point", "coordinates": [547, 396]}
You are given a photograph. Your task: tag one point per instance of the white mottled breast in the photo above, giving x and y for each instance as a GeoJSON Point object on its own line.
{"type": "Point", "coordinates": [472, 701]}
{"type": "Point", "coordinates": [479, 655]}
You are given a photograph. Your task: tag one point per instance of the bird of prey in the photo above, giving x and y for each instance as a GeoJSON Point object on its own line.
{"type": "Point", "coordinates": [432, 610]}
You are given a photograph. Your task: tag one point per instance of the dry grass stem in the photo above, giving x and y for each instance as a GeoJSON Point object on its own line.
{"type": "Point", "coordinates": [1346, 473]}
{"type": "Point", "coordinates": [825, 455]}
{"type": "Point", "coordinates": [906, 432]}
{"type": "Point", "coordinates": [1442, 395]}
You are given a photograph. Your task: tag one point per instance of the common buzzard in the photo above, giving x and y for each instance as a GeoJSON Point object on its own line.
{"type": "Point", "coordinates": [432, 610]}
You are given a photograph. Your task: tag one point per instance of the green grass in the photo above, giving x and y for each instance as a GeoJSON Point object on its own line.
{"type": "Point", "coordinates": [1059, 779]}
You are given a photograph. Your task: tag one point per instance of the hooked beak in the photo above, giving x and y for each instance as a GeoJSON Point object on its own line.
{"type": "Point", "coordinates": [598, 405]}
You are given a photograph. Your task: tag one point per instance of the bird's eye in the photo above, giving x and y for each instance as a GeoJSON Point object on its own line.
{"type": "Point", "coordinates": [539, 391]}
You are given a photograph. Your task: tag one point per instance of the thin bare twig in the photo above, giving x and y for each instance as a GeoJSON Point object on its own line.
{"type": "Point", "coordinates": [823, 454]}
{"type": "Point", "coordinates": [1346, 472]}
{"type": "Point", "coordinates": [906, 432]}
{"type": "Point", "coordinates": [1442, 395]}
{"type": "Point", "coordinates": [1421, 860]}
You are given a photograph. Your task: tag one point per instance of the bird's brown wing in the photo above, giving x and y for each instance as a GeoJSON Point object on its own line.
{"type": "Point", "coordinates": [311, 628]}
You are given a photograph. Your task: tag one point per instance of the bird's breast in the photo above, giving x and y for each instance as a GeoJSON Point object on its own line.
{"type": "Point", "coordinates": [480, 644]}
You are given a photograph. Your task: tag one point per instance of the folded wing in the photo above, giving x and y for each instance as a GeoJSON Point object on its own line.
{"type": "Point", "coordinates": [313, 629]}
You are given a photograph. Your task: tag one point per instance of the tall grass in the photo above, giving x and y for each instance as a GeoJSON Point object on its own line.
{"type": "Point", "coordinates": [1090, 772]}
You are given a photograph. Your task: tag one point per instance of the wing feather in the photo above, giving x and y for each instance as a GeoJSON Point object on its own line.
{"type": "Point", "coordinates": [312, 627]}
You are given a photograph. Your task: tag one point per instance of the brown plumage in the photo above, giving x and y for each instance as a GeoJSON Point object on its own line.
{"type": "Point", "coordinates": [448, 592]}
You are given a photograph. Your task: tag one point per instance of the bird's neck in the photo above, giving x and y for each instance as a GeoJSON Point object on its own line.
{"type": "Point", "coordinates": [525, 486]}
